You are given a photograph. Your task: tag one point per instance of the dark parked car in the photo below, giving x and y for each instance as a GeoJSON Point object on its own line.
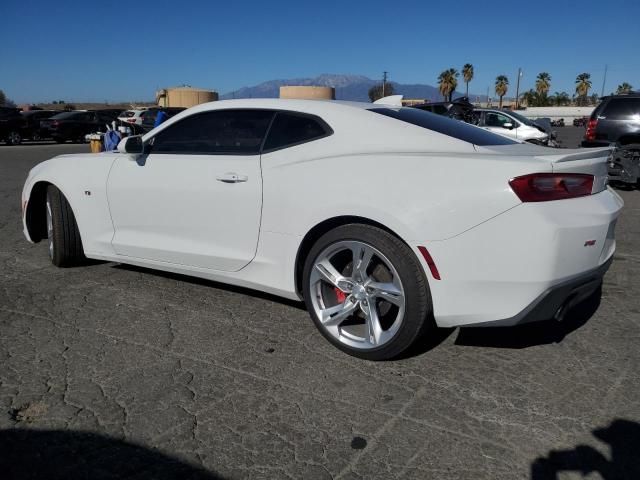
{"type": "Point", "coordinates": [460, 109]}
{"type": "Point", "coordinates": [76, 124]}
{"type": "Point", "coordinates": [31, 123]}
{"type": "Point", "coordinates": [10, 125]}
{"type": "Point", "coordinates": [616, 120]}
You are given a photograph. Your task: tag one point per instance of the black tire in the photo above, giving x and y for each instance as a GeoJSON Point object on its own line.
{"type": "Point", "coordinates": [65, 244]}
{"type": "Point", "coordinates": [418, 314]}
{"type": "Point", "coordinates": [13, 138]}
{"type": "Point", "coordinates": [59, 140]}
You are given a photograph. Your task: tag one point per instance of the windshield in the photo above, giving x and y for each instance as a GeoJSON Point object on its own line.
{"type": "Point", "coordinates": [447, 126]}
{"type": "Point", "coordinates": [522, 119]}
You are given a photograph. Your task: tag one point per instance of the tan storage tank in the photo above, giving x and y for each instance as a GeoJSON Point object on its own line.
{"type": "Point", "coordinates": [308, 92]}
{"type": "Point", "coordinates": [184, 97]}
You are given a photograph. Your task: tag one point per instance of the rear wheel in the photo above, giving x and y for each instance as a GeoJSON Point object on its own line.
{"type": "Point", "coordinates": [65, 245]}
{"type": "Point", "coordinates": [366, 292]}
{"type": "Point", "coordinates": [13, 138]}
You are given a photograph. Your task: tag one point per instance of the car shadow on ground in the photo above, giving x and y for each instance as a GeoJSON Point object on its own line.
{"type": "Point", "coordinates": [623, 440]}
{"type": "Point", "coordinates": [70, 455]}
{"type": "Point", "coordinates": [528, 335]}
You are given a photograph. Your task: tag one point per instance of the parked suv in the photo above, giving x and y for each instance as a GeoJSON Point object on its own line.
{"type": "Point", "coordinates": [76, 124]}
{"type": "Point", "coordinates": [616, 120]}
{"type": "Point", "coordinates": [10, 125]}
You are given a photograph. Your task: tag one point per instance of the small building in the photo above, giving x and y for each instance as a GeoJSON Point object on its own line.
{"type": "Point", "coordinates": [184, 96]}
{"type": "Point", "coordinates": [410, 102]}
{"type": "Point", "coordinates": [308, 92]}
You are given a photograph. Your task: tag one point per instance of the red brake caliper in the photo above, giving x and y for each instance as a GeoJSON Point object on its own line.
{"type": "Point", "coordinates": [340, 295]}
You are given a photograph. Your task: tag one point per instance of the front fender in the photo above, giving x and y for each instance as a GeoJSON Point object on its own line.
{"type": "Point", "coordinates": [82, 179]}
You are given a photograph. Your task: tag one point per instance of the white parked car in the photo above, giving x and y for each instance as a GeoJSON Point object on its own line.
{"type": "Point", "coordinates": [387, 221]}
{"type": "Point", "coordinates": [133, 117]}
{"type": "Point", "coordinates": [510, 124]}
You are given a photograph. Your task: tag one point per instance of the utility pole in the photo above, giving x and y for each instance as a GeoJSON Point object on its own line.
{"type": "Point", "coordinates": [604, 80]}
{"type": "Point", "coordinates": [487, 97]}
{"type": "Point", "coordinates": [518, 86]}
{"type": "Point", "coordinates": [384, 81]}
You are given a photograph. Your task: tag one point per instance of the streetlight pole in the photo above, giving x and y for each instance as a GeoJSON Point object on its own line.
{"type": "Point", "coordinates": [518, 87]}
{"type": "Point", "coordinates": [384, 81]}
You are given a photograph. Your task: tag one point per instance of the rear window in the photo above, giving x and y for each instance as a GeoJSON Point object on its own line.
{"type": "Point", "coordinates": [447, 126]}
{"type": "Point", "coordinates": [127, 113]}
{"type": "Point", "coordinates": [622, 108]}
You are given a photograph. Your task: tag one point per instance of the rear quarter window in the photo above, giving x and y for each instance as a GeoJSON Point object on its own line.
{"type": "Point", "coordinates": [289, 129]}
{"type": "Point", "coordinates": [444, 125]}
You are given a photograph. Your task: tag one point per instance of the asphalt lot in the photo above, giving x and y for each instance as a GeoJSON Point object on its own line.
{"type": "Point", "coordinates": [109, 371]}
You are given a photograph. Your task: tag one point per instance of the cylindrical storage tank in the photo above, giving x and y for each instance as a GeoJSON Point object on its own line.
{"type": "Point", "coordinates": [185, 97]}
{"type": "Point", "coordinates": [308, 92]}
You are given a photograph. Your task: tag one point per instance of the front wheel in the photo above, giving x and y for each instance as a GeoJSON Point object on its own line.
{"type": "Point", "coordinates": [65, 245]}
{"type": "Point", "coordinates": [366, 292]}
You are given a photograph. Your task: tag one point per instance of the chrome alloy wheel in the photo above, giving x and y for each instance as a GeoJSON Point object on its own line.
{"type": "Point", "coordinates": [50, 228]}
{"type": "Point", "coordinates": [357, 294]}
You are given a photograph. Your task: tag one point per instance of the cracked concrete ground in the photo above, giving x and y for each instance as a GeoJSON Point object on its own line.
{"type": "Point", "coordinates": [191, 379]}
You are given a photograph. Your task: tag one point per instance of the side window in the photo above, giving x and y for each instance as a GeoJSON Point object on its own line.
{"type": "Point", "coordinates": [289, 129]}
{"type": "Point", "coordinates": [494, 119]}
{"type": "Point", "coordinates": [217, 132]}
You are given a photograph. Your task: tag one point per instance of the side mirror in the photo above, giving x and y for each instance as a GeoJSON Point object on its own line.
{"type": "Point", "coordinates": [507, 125]}
{"type": "Point", "coordinates": [131, 145]}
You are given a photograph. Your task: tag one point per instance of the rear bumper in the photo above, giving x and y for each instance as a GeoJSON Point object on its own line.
{"type": "Point", "coordinates": [556, 300]}
{"type": "Point", "coordinates": [595, 143]}
{"type": "Point", "coordinates": [524, 264]}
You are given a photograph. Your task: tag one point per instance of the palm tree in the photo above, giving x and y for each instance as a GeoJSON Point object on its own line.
{"type": "Point", "coordinates": [447, 83]}
{"type": "Point", "coordinates": [561, 98]}
{"type": "Point", "coordinates": [502, 85]}
{"type": "Point", "coordinates": [624, 88]}
{"type": "Point", "coordinates": [467, 74]}
{"type": "Point", "coordinates": [583, 84]}
{"type": "Point", "coordinates": [543, 84]}
{"type": "Point", "coordinates": [529, 98]}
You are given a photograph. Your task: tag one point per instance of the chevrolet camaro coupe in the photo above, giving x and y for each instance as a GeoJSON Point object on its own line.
{"type": "Point", "coordinates": [387, 221]}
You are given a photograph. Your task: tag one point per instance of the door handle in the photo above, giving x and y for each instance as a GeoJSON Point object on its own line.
{"type": "Point", "coordinates": [232, 178]}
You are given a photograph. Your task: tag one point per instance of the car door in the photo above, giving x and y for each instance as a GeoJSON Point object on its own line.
{"type": "Point", "coordinates": [195, 198]}
{"type": "Point", "coordinates": [500, 123]}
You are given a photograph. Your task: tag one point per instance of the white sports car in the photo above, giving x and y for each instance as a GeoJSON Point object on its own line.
{"type": "Point", "coordinates": [386, 220]}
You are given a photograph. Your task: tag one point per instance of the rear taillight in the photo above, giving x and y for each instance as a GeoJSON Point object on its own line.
{"type": "Point", "coordinates": [590, 134]}
{"type": "Point", "coordinates": [544, 187]}
{"type": "Point", "coordinates": [131, 120]}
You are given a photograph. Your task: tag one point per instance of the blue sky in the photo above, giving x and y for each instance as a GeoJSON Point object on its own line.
{"type": "Point", "coordinates": [124, 51]}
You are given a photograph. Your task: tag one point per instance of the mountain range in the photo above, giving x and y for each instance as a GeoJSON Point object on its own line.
{"type": "Point", "coordinates": [348, 87]}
